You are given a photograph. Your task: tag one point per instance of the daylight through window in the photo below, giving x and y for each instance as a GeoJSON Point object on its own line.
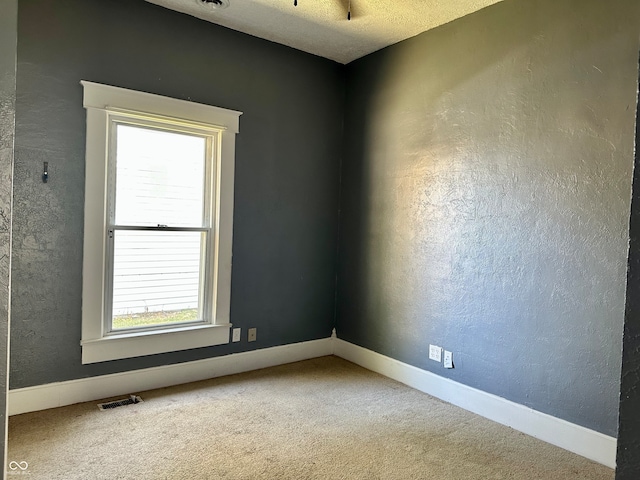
{"type": "Point", "coordinates": [161, 227]}
{"type": "Point", "coordinates": [158, 224]}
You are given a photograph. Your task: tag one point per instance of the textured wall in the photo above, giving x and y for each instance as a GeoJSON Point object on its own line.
{"type": "Point", "coordinates": [628, 458]}
{"type": "Point", "coordinates": [8, 29]}
{"type": "Point", "coordinates": [287, 171]}
{"type": "Point", "coordinates": [485, 199]}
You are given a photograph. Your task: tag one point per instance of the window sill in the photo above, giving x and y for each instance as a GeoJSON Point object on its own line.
{"type": "Point", "coordinates": [137, 344]}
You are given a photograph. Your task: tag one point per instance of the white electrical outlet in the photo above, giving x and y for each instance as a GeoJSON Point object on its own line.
{"type": "Point", "coordinates": [236, 335]}
{"type": "Point", "coordinates": [448, 359]}
{"type": "Point", "coordinates": [252, 334]}
{"type": "Point", "coordinates": [435, 353]}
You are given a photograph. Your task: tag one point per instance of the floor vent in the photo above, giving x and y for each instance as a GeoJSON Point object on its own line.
{"type": "Point", "coordinates": [120, 403]}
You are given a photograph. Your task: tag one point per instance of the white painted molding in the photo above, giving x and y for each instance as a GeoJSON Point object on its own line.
{"type": "Point", "coordinates": [100, 96]}
{"type": "Point", "coordinates": [108, 106]}
{"type": "Point", "coordinates": [52, 395]}
{"type": "Point", "coordinates": [575, 438]}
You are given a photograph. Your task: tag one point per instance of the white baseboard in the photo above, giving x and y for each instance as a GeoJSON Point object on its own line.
{"type": "Point", "coordinates": [583, 441]}
{"type": "Point", "coordinates": [575, 438]}
{"type": "Point", "coordinates": [52, 395]}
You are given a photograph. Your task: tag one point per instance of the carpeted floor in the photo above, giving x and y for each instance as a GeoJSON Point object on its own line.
{"type": "Point", "coordinates": [318, 419]}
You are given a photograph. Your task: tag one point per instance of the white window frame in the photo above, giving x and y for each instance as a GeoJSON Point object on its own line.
{"type": "Point", "coordinates": [104, 103]}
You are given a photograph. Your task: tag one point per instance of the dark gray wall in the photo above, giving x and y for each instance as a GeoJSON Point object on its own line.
{"type": "Point", "coordinates": [8, 37]}
{"type": "Point", "coordinates": [485, 196]}
{"type": "Point", "coordinates": [287, 171]}
{"type": "Point", "coordinates": [628, 458]}
{"type": "Point", "coordinates": [485, 201]}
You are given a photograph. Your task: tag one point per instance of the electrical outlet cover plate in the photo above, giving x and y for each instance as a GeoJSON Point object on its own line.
{"type": "Point", "coordinates": [252, 334]}
{"type": "Point", "coordinates": [435, 353]}
{"type": "Point", "coordinates": [448, 359]}
{"type": "Point", "coordinates": [236, 335]}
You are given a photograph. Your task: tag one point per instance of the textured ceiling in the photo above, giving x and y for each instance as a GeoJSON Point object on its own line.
{"type": "Point", "coordinates": [321, 27]}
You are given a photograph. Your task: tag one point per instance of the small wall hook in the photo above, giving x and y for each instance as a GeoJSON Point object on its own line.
{"type": "Point", "coordinates": [45, 172]}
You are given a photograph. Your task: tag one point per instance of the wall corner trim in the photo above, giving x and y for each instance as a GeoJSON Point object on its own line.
{"type": "Point", "coordinates": [574, 438]}
{"type": "Point", "coordinates": [59, 394]}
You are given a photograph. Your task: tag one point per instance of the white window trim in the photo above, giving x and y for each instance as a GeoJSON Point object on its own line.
{"type": "Point", "coordinates": [96, 345]}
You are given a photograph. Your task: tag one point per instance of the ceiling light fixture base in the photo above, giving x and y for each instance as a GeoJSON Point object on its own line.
{"type": "Point", "coordinates": [213, 4]}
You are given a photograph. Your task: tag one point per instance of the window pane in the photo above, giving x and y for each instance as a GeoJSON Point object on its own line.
{"type": "Point", "coordinates": [159, 177]}
{"type": "Point", "coordinates": [156, 278]}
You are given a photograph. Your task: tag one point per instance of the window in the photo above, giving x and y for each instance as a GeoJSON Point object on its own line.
{"type": "Point", "coordinates": [158, 224]}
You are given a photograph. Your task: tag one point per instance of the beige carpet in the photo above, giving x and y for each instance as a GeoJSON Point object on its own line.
{"type": "Point", "coordinates": [318, 419]}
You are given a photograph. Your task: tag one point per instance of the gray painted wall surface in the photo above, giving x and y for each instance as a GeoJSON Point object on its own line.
{"type": "Point", "coordinates": [485, 201]}
{"type": "Point", "coordinates": [8, 32]}
{"type": "Point", "coordinates": [628, 457]}
{"type": "Point", "coordinates": [287, 171]}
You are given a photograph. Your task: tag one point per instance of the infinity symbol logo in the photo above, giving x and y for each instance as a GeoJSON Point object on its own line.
{"type": "Point", "coordinates": [15, 465]}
